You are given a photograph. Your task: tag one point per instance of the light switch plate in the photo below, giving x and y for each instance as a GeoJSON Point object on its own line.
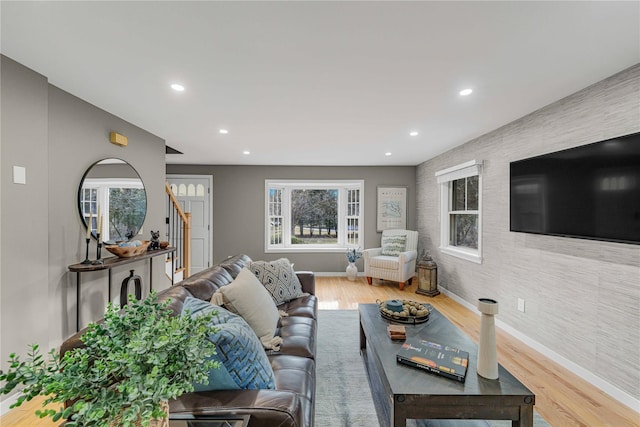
{"type": "Point", "coordinates": [19, 175]}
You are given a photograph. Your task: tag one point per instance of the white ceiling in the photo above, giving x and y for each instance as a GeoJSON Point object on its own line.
{"type": "Point", "coordinates": [320, 83]}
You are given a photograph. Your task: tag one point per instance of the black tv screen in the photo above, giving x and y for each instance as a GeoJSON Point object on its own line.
{"type": "Point", "coordinates": [590, 192]}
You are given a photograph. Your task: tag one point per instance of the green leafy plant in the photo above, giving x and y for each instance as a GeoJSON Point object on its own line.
{"type": "Point", "coordinates": [129, 364]}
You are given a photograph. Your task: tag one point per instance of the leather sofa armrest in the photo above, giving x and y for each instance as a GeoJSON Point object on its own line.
{"type": "Point", "coordinates": [308, 281]}
{"type": "Point", "coordinates": [266, 407]}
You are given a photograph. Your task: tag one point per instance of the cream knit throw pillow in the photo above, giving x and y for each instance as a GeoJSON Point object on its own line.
{"type": "Point", "coordinates": [247, 297]}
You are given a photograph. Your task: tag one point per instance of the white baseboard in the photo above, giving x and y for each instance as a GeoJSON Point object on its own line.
{"type": "Point", "coordinates": [10, 400]}
{"type": "Point", "coordinates": [336, 274]}
{"type": "Point", "coordinates": [611, 390]}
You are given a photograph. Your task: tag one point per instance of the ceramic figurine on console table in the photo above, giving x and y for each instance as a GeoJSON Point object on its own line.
{"type": "Point", "coordinates": [155, 240]}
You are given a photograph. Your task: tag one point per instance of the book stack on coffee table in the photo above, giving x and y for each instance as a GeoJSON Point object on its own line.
{"type": "Point", "coordinates": [397, 332]}
{"type": "Point", "coordinates": [435, 358]}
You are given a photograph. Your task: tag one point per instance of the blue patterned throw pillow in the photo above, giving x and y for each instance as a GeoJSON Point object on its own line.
{"type": "Point", "coordinates": [244, 363]}
{"type": "Point", "coordinates": [279, 279]}
{"type": "Point", "coordinates": [393, 245]}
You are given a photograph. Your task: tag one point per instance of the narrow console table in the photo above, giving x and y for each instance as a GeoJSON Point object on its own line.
{"type": "Point", "coordinates": [113, 262]}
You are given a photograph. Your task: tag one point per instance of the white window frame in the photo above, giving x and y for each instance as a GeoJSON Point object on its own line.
{"type": "Point", "coordinates": [343, 220]}
{"type": "Point", "coordinates": [444, 178]}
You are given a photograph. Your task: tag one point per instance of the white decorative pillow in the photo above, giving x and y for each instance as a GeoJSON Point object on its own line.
{"type": "Point", "coordinates": [247, 297]}
{"type": "Point", "coordinates": [278, 278]}
{"type": "Point", "coordinates": [393, 245]}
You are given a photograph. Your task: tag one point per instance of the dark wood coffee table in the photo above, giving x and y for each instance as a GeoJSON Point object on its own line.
{"type": "Point", "coordinates": [402, 392]}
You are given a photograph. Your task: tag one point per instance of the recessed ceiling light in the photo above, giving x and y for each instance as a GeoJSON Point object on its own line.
{"type": "Point", "coordinates": [246, 152]}
{"type": "Point", "coordinates": [465, 92]}
{"type": "Point", "coordinates": [388, 153]}
{"type": "Point", "coordinates": [177, 87]}
{"type": "Point", "coordinates": [223, 131]}
{"type": "Point", "coordinates": [413, 133]}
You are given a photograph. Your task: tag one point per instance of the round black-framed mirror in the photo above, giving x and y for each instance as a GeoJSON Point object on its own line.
{"type": "Point", "coordinates": [114, 188]}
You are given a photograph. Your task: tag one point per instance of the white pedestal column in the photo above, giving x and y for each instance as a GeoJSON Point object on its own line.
{"type": "Point", "coordinates": [487, 348]}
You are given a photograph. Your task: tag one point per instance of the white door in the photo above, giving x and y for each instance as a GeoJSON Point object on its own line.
{"type": "Point", "coordinates": [193, 192]}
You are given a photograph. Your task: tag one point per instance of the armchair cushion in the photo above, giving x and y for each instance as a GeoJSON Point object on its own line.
{"type": "Point", "coordinates": [383, 261]}
{"type": "Point", "coordinates": [393, 245]}
{"type": "Point", "coordinates": [392, 262]}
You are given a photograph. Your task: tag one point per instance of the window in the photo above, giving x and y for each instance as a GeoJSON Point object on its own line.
{"type": "Point", "coordinates": [121, 201]}
{"type": "Point", "coordinates": [460, 219]}
{"type": "Point", "coordinates": [313, 216]}
{"type": "Point", "coordinates": [89, 206]}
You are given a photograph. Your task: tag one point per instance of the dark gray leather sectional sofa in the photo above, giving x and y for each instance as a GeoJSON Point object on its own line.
{"type": "Point", "coordinates": [292, 402]}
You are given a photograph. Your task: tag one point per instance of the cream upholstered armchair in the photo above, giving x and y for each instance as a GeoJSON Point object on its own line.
{"type": "Point", "coordinates": [395, 260]}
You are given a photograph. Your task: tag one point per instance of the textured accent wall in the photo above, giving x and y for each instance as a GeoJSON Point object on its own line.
{"type": "Point", "coordinates": [582, 296]}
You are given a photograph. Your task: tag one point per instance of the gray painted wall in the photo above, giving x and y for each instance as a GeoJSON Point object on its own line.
{"type": "Point", "coordinates": [238, 207]}
{"type": "Point", "coordinates": [57, 136]}
{"type": "Point", "coordinates": [25, 260]}
{"type": "Point", "coordinates": [78, 137]}
{"type": "Point", "coordinates": [111, 170]}
{"type": "Point", "coordinates": [582, 297]}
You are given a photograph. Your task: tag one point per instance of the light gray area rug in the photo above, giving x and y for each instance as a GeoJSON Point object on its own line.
{"type": "Point", "coordinates": [343, 396]}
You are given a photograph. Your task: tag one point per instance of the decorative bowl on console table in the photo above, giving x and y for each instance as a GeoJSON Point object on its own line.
{"type": "Point", "coordinates": [129, 251]}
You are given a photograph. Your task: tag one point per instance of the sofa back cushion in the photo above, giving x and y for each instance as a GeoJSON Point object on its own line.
{"type": "Point", "coordinates": [235, 264]}
{"type": "Point", "coordinates": [177, 295]}
{"type": "Point", "coordinates": [205, 283]}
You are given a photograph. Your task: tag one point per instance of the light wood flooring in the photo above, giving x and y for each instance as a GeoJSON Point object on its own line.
{"type": "Point", "coordinates": [562, 398]}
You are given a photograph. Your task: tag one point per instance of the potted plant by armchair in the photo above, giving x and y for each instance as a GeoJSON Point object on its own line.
{"type": "Point", "coordinates": [127, 369]}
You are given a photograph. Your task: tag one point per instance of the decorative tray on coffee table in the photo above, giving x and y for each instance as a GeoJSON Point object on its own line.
{"type": "Point", "coordinates": [412, 312]}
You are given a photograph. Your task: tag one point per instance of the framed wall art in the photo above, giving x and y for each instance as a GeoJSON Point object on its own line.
{"type": "Point", "coordinates": [391, 207]}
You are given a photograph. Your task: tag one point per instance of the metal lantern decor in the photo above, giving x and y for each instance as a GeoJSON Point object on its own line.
{"type": "Point", "coordinates": [427, 277]}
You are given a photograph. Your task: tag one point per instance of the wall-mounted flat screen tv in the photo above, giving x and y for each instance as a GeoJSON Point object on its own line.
{"type": "Point", "coordinates": [589, 192]}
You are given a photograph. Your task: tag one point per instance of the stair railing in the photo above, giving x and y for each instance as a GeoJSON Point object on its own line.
{"type": "Point", "coordinates": [179, 232]}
